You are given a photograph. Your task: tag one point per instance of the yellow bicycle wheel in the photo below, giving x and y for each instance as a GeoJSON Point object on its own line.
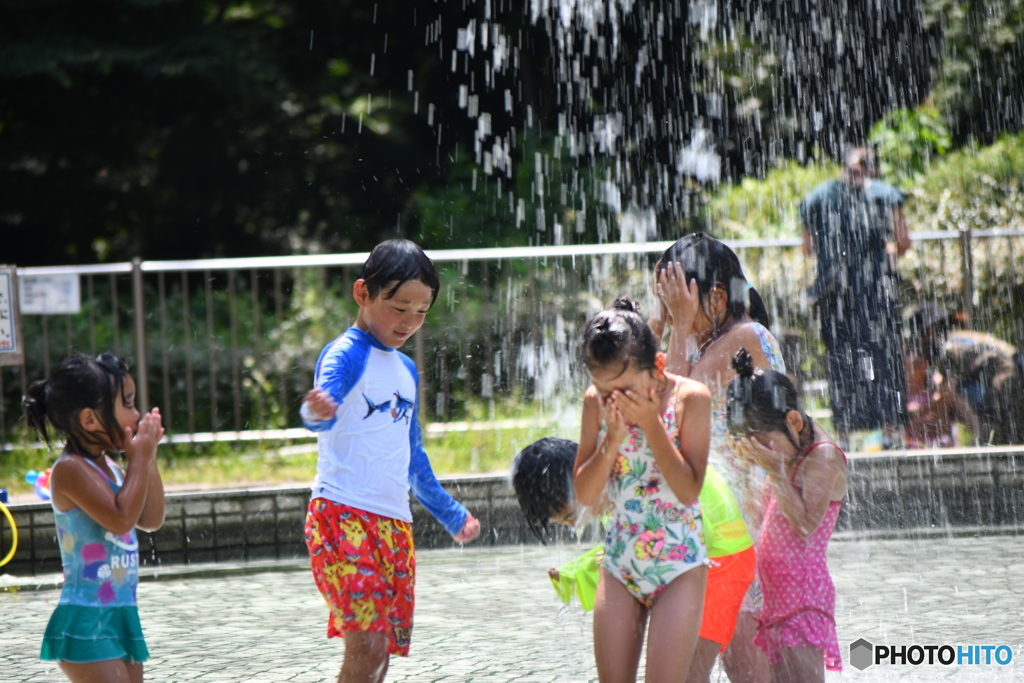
{"type": "Point", "coordinates": [14, 535]}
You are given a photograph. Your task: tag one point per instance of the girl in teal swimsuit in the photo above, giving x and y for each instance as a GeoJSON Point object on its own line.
{"type": "Point", "coordinates": [95, 634]}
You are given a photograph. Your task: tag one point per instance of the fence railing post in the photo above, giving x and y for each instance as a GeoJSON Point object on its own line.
{"type": "Point", "coordinates": [967, 276]}
{"type": "Point", "coordinates": [141, 370]}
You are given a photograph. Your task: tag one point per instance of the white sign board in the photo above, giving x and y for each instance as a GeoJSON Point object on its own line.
{"type": "Point", "coordinates": [49, 294]}
{"type": "Point", "coordinates": [12, 351]}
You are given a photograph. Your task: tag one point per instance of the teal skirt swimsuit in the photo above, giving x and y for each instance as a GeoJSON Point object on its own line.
{"type": "Point", "coordinates": [82, 635]}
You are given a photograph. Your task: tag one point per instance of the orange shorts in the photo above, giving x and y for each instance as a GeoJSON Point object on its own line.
{"type": "Point", "coordinates": [728, 580]}
{"type": "Point", "coordinates": [365, 567]}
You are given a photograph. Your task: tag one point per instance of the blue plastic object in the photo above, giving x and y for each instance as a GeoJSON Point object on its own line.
{"type": "Point", "coordinates": [40, 482]}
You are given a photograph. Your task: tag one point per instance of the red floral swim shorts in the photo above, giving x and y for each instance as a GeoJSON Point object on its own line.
{"type": "Point", "coordinates": [365, 566]}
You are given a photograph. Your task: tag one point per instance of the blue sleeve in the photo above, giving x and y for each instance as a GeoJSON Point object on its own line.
{"type": "Point", "coordinates": [810, 207]}
{"type": "Point", "coordinates": [339, 368]}
{"type": "Point", "coordinates": [428, 490]}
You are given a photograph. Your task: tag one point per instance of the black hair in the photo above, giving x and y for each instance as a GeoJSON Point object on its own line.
{"type": "Point", "coordinates": [398, 261]}
{"type": "Point", "coordinates": [542, 478]}
{"type": "Point", "coordinates": [864, 157]}
{"type": "Point", "coordinates": [712, 263]}
{"type": "Point", "coordinates": [926, 327]}
{"type": "Point", "coordinates": [79, 382]}
{"type": "Point", "coordinates": [618, 335]}
{"type": "Point", "coordinates": [759, 401]}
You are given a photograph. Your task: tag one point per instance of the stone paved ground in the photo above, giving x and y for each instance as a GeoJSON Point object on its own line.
{"type": "Point", "coordinates": [489, 615]}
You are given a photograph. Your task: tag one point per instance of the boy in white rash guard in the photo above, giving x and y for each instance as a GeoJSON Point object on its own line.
{"type": "Point", "coordinates": [364, 410]}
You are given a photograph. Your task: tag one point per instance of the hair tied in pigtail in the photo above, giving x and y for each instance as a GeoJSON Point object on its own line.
{"type": "Point", "coordinates": [624, 303]}
{"type": "Point", "coordinates": [34, 404]}
{"type": "Point", "coordinates": [618, 335]}
{"type": "Point", "coordinates": [604, 333]}
{"type": "Point", "coordinates": [113, 364]}
{"type": "Point", "coordinates": [743, 363]}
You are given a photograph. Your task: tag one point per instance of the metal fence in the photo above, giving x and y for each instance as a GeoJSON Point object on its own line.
{"type": "Point", "coordinates": [226, 347]}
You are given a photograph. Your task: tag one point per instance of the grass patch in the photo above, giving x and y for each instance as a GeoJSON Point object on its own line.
{"type": "Point", "coordinates": [231, 466]}
{"type": "Point", "coordinates": [479, 451]}
{"type": "Point", "coordinates": [276, 463]}
{"type": "Point", "coordinates": [16, 463]}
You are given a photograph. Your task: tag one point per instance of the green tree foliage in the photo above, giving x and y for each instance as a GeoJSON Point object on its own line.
{"type": "Point", "coordinates": [194, 128]}
{"type": "Point", "coordinates": [766, 209]}
{"type": "Point", "coordinates": [191, 128]}
{"type": "Point", "coordinates": [979, 83]}
{"type": "Point", "coordinates": [974, 188]}
{"type": "Point", "coordinates": [550, 199]}
{"type": "Point", "coordinates": [907, 141]}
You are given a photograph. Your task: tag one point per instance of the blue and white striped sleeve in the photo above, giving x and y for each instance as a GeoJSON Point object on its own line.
{"type": "Point", "coordinates": [424, 484]}
{"type": "Point", "coordinates": [339, 368]}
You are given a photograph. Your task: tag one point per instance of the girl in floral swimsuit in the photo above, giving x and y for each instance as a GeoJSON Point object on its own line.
{"type": "Point", "coordinates": [643, 450]}
{"type": "Point", "coordinates": [807, 473]}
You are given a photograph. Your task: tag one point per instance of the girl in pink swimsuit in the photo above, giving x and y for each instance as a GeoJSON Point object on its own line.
{"type": "Point", "coordinates": [807, 475]}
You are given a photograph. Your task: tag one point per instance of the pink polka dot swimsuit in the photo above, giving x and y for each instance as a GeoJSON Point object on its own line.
{"type": "Point", "coordinates": [799, 597]}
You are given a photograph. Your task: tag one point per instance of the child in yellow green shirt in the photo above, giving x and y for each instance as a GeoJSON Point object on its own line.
{"type": "Point", "coordinates": [542, 478]}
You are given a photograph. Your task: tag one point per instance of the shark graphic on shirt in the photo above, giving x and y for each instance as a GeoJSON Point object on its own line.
{"type": "Point", "coordinates": [398, 407]}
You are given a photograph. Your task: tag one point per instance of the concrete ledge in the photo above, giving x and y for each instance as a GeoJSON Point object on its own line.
{"type": "Point", "coordinates": [935, 488]}
{"type": "Point", "coordinates": [942, 491]}
{"type": "Point", "coordinates": [244, 525]}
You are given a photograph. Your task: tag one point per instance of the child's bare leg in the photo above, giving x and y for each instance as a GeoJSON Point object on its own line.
{"type": "Point", "coordinates": [674, 627]}
{"type": "Point", "coordinates": [109, 671]}
{"type": "Point", "coordinates": [618, 631]}
{"type": "Point", "coordinates": [366, 657]}
{"type": "Point", "coordinates": [743, 661]}
{"type": "Point", "coordinates": [799, 665]}
{"type": "Point", "coordinates": [703, 661]}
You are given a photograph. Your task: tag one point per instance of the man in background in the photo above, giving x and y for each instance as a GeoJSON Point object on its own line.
{"type": "Point", "coordinates": [856, 228]}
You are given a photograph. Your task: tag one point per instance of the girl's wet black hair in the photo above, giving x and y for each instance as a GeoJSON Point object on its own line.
{"type": "Point", "coordinates": [542, 479]}
{"type": "Point", "coordinates": [398, 261]}
{"type": "Point", "coordinates": [710, 262]}
{"type": "Point", "coordinates": [79, 382]}
{"type": "Point", "coordinates": [618, 335]}
{"type": "Point", "coordinates": [759, 401]}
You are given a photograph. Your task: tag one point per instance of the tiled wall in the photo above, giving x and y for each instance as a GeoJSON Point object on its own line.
{"type": "Point", "coordinates": [241, 525]}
